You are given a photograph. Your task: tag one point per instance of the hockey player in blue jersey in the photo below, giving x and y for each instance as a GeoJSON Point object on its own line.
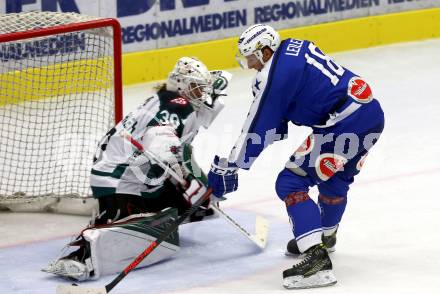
{"type": "Point", "coordinates": [296, 82]}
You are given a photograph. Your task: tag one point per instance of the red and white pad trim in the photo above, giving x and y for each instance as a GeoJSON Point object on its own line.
{"type": "Point", "coordinates": [306, 147]}
{"type": "Point", "coordinates": [295, 198]}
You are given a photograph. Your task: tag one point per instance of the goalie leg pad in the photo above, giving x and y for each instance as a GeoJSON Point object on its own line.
{"type": "Point", "coordinates": [110, 248]}
{"type": "Point", "coordinates": [113, 248]}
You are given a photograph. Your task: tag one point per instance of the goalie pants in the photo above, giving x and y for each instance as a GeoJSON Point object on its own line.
{"type": "Point", "coordinates": [330, 158]}
{"type": "Point", "coordinates": [118, 206]}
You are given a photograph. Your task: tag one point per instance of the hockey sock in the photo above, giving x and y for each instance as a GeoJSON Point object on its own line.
{"type": "Point", "coordinates": [306, 219]}
{"type": "Point", "coordinates": [332, 209]}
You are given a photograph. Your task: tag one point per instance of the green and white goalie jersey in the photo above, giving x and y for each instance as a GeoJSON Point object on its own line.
{"type": "Point", "coordinates": [164, 121]}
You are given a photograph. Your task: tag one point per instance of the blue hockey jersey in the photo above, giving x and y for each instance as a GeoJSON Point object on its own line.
{"type": "Point", "coordinates": [299, 84]}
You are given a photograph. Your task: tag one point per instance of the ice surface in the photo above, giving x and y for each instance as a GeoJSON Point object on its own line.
{"type": "Point", "coordinates": [389, 238]}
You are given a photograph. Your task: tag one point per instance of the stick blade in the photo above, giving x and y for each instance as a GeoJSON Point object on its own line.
{"type": "Point", "coordinates": [261, 231]}
{"type": "Point", "coordinates": [72, 289]}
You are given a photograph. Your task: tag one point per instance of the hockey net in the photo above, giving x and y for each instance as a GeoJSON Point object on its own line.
{"type": "Point", "coordinates": [60, 92]}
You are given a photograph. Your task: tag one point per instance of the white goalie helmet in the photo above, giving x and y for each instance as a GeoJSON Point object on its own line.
{"type": "Point", "coordinates": [191, 79]}
{"type": "Point", "coordinates": [254, 39]}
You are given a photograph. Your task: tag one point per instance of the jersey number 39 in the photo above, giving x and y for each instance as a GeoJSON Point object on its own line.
{"type": "Point", "coordinates": [167, 118]}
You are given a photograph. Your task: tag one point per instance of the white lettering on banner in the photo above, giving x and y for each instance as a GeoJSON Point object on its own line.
{"type": "Point", "coordinates": [296, 9]}
{"type": "Point", "coordinates": [185, 26]}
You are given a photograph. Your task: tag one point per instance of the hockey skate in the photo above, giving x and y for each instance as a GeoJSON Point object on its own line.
{"type": "Point", "coordinates": [76, 265]}
{"type": "Point", "coordinates": [328, 241]}
{"type": "Point", "coordinates": [68, 268]}
{"type": "Point", "coordinates": [315, 270]}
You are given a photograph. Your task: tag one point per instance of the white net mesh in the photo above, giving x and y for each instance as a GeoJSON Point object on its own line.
{"type": "Point", "coordinates": [20, 22]}
{"type": "Point", "coordinates": [57, 99]}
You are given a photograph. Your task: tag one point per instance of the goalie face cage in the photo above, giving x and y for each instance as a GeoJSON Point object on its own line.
{"type": "Point", "coordinates": [60, 92]}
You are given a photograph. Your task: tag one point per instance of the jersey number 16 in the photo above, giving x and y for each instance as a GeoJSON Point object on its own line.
{"type": "Point", "coordinates": [326, 65]}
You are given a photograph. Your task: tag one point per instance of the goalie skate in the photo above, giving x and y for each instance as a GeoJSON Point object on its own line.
{"type": "Point", "coordinates": [68, 268]}
{"type": "Point", "coordinates": [312, 272]}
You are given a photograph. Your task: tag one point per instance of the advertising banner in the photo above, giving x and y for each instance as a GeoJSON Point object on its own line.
{"type": "Point", "coordinates": [153, 24]}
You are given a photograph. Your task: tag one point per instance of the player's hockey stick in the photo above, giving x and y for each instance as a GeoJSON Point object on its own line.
{"type": "Point", "coordinates": [74, 289]}
{"type": "Point", "coordinates": [261, 227]}
{"type": "Point", "coordinates": [261, 224]}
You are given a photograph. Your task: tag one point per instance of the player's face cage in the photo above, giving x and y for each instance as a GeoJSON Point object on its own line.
{"type": "Point", "coordinates": [197, 91]}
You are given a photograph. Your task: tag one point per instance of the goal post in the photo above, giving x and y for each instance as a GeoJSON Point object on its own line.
{"type": "Point", "coordinates": [60, 92]}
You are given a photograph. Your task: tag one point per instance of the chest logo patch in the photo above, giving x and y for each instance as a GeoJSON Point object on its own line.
{"type": "Point", "coordinates": [180, 101]}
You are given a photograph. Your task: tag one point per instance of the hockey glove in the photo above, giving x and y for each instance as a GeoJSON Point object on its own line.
{"type": "Point", "coordinates": [223, 177]}
{"type": "Point", "coordinates": [194, 191]}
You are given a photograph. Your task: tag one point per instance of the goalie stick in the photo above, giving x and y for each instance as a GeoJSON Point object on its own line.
{"type": "Point", "coordinates": [261, 227]}
{"type": "Point", "coordinates": [261, 224]}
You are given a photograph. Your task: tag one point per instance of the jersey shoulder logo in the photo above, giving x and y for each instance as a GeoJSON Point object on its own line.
{"type": "Point", "coordinates": [180, 101]}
